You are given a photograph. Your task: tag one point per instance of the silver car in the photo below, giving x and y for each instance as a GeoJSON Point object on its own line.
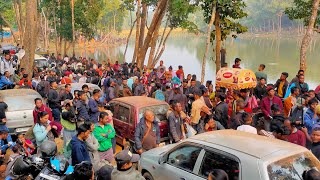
{"type": "Point", "coordinates": [20, 108]}
{"type": "Point", "coordinates": [238, 155]}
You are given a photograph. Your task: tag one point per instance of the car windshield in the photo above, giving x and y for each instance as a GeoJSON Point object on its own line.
{"type": "Point", "coordinates": [292, 167]}
{"type": "Point", "coordinates": [20, 103]}
{"type": "Point", "coordinates": [40, 63]}
{"type": "Point", "coordinates": [159, 111]}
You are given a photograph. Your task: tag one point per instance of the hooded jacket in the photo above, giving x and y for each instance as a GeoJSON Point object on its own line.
{"type": "Point", "coordinates": [125, 175]}
{"type": "Point", "coordinates": [79, 151]}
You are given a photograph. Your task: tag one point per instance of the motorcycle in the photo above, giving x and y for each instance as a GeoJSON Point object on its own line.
{"type": "Point", "coordinates": [47, 166]}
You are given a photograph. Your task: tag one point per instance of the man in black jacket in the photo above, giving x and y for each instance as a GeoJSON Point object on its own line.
{"type": "Point", "coordinates": [54, 101]}
{"type": "Point", "coordinates": [221, 111]}
{"type": "Point", "coordinates": [281, 85]}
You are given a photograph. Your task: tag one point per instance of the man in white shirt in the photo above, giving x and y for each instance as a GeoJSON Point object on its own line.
{"type": "Point", "coordinates": [246, 127]}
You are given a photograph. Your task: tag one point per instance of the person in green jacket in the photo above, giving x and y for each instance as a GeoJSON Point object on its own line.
{"type": "Point", "coordinates": [104, 132]}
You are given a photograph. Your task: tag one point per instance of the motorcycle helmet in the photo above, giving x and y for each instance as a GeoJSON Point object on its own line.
{"type": "Point", "coordinates": [21, 167]}
{"type": "Point", "coordinates": [48, 149]}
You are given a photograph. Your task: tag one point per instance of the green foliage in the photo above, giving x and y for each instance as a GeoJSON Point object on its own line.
{"type": "Point", "coordinates": [112, 14]}
{"type": "Point", "coordinates": [229, 11]}
{"type": "Point", "coordinates": [86, 13]}
{"type": "Point", "coordinates": [301, 9]}
{"type": "Point", "coordinates": [7, 11]}
{"type": "Point", "coordinates": [178, 14]}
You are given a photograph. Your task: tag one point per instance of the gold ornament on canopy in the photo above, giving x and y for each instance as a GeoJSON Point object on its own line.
{"type": "Point", "coordinates": [236, 78]}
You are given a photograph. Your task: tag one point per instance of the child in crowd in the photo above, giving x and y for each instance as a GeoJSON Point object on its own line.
{"type": "Point", "coordinates": [26, 145]}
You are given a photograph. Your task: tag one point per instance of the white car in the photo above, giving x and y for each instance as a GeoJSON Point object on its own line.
{"type": "Point", "coordinates": [239, 154]}
{"type": "Point", "coordinates": [20, 108]}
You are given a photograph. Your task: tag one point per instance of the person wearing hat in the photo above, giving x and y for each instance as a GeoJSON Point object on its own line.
{"type": "Point", "coordinates": [125, 169]}
{"type": "Point", "coordinates": [266, 104]}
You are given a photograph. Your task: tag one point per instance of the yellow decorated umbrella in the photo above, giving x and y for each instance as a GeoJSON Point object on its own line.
{"type": "Point", "coordinates": [236, 78]}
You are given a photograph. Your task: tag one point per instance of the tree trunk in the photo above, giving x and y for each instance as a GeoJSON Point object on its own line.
{"type": "Point", "coordinates": [55, 30]}
{"type": "Point", "coordinates": [143, 24]}
{"type": "Point", "coordinates": [73, 33]}
{"type": "Point", "coordinates": [31, 35]}
{"type": "Point", "coordinates": [162, 49]}
{"type": "Point", "coordinates": [204, 60]}
{"type": "Point", "coordinates": [154, 29]}
{"type": "Point", "coordinates": [307, 37]}
{"type": "Point", "coordinates": [9, 26]}
{"type": "Point", "coordinates": [218, 41]}
{"type": "Point", "coordinates": [136, 47]}
{"type": "Point", "coordinates": [280, 23]}
{"type": "Point", "coordinates": [65, 47]}
{"type": "Point", "coordinates": [128, 39]}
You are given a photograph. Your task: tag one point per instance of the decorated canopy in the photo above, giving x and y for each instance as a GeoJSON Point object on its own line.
{"type": "Point", "coordinates": [236, 78]}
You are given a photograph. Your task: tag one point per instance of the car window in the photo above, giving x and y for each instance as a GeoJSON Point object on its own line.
{"type": "Point", "coordinates": [160, 111]}
{"type": "Point", "coordinates": [20, 103]}
{"type": "Point", "coordinates": [292, 167]}
{"type": "Point", "coordinates": [218, 162]}
{"type": "Point", "coordinates": [184, 157]}
{"type": "Point", "coordinates": [121, 113]}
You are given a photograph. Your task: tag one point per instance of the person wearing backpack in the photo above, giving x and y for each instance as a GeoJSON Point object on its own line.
{"type": "Point", "coordinates": [6, 64]}
{"type": "Point", "coordinates": [158, 94]}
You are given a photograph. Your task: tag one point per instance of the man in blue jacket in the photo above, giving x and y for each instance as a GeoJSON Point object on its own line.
{"type": "Point", "coordinates": [310, 117]}
{"type": "Point", "coordinates": [78, 146]}
{"type": "Point", "coordinates": [5, 82]}
{"type": "Point", "coordinates": [93, 106]}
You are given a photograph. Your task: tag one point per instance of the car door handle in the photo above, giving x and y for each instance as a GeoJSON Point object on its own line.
{"type": "Point", "coordinates": [182, 178]}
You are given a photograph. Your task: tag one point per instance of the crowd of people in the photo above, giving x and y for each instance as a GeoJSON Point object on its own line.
{"type": "Point", "coordinates": [288, 111]}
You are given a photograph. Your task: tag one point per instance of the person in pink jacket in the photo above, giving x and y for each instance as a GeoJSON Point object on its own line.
{"type": "Point", "coordinates": [266, 104]}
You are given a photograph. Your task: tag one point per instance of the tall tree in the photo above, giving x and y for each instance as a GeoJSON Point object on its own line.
{"type": "Point", "coordinates": [204, 60]}
{"type": "Point", "coordinates": [31, 36]}
{"type": "Point", "coordinates": [309, 12]}
{"type": "Point", "coordinates": [226, 14]}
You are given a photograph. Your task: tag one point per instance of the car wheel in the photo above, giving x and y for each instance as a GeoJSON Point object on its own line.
{"type": "Point", "coordinates": [147, 176]}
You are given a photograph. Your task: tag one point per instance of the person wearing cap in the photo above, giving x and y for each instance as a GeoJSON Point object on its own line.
{"type": "Point", "coordinates": [125, 169]}
{"type": "Point", "coordinates": [266, 104]}
{"type": "Point", "coordinates": [198, 106]}
{"type": "Point", "coordinates": [147, 133]}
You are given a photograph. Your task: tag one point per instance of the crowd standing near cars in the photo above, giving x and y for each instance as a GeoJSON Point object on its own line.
{"type": "Point", "coordinates": [288, 111]}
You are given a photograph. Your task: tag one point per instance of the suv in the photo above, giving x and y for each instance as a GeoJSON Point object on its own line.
{"type": "Point", "coordinates": [127, 112]}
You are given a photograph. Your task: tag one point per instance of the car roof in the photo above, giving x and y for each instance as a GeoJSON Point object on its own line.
{"type": "Point", "coordinates": [248, 143]}
{"type": "Point", "coordinates": [18, 92]}
{"type": "Point", "coordinates": [140, 101]}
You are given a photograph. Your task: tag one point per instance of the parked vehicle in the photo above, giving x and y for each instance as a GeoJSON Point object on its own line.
{"type": "Point", "coordinates": [127, 112]}
{"type": "Point", "coordinates": [239, 154]}
{"type": "Point", "coordinates": [20, 107]}
{"type": "Point", "coordinates": [40, 61]}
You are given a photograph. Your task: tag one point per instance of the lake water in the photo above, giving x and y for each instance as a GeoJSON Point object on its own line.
{"type": "Point", "coordinates": [278, 54]}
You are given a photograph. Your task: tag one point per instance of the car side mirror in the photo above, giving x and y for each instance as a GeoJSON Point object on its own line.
{"type": "Point", "coordinates": [162, 160]}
